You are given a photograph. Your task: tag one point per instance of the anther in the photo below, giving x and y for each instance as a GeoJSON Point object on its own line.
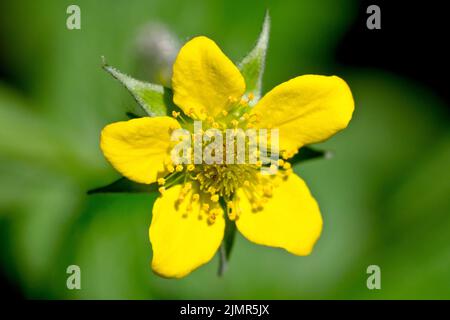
{"type": "Point", "coordinates": [179, 168]}
{"type": "Point", "coordinates": [175, 114]}
{"type": "Point", "coordinates": [161, 181]}
{"type": "Point", "coordinates": [287, 165]}
{"type": "Point", "coordinates": [212, 190]}
{"type": "Point", "coordinates": [232, 99]}
{"type": "Point", "coordinates": [188, 186]}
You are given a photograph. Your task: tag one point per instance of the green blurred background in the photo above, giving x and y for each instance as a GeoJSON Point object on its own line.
{"type": "Point", "coordinates": [384, 196]}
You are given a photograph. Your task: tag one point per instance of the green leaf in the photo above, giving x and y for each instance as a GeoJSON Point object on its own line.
{"type": "Point", "coordinates": [252, 66]}
{"type": "Point", "coordinates": [308, 153]}
{"type": "Point", "coordinates": [154, 99]}
{"type": "Point", "coordinates": [125, 185]}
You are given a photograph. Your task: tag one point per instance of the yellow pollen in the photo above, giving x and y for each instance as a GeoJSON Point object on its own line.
{"type": "Point", "coordinates": [215, 198]}
{"type": "Point", "coordinates": [161, 190]}
{"type": "Point", "coordinates": [170, 168]}
{"type": "Point", "coordinates": [179, 168]}
{"type": "Point", "coordinates": [188, 186]}
{"type": "Point", "coordinates": [280, 162]}
{"type": "Point", "coordinates": [195, 197]}
{"type": "Point", "coordinates": [190, 167]}
{"type": "Point", "coordinates": [225, 112]}
{"type": "Point", "coordinates": [232, 99]}
{"type": "Point", "coordinates": [234, 123]}
{"type": "Point", "coordinates": [287, 165]}
{"type": "Point", "coordinates": [211, 218]}
{"type": "Point", "coordinates": [246, 183]}
{"type": "Point", "coordinates": [211, 190]}
{"type": "Point", "coordinates": [161, 181]}
{"type": "Point", "coordinates": [175, 114]}
{"type": "Point", "coordinates": [259, 163]}
{"type": "Point", "coordinates": [205, 206]}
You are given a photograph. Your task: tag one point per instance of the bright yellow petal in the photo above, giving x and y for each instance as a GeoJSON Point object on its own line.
{"type": "Point", "coordinates": [306, 109]}
{"type": "Point", "coordinates": [182, 242]}
{"type": "Point", "coordinates": [204, 80]}
{"type": "Point", "coordinates": [290, 219]}
{"type": "Point", "coordinates": [138, 148]}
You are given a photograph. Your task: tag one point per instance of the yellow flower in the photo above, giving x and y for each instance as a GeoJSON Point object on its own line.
{"type": "Point", "coordinates": [188, 223]}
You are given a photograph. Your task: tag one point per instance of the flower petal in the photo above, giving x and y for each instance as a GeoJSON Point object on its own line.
{"type": "Point", "coordinates": [306, 109]}
{"type": "Point", "coordinates": [204, 80]}
{"type": "Point", "coordinates": [182, 241]}
{"type": "Point", "coordinates": [290, 219]}
{"type": "Point", "coordinates": [138, 148]}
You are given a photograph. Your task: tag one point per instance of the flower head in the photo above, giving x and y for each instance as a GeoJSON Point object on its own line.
{"type": "Point", "coordinates": [196, 199]}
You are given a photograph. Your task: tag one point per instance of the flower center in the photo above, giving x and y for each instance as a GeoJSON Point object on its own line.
{"type": "Point", "coordinates": [225, 179]}
{"type": "Point", "coordinates": [205, 184]}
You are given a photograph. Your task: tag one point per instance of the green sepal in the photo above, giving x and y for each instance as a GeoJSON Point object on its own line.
{"type": "Point", "coordinates": [252, 66]}
{"type": "Point", "coordinates": [155, 100]}
{"type": "Point", "coordinates": [308, 153]}
{"type": "Point", "coordinates": [126, 186]}
{"type": "Point", "coordinates": [227, 242]}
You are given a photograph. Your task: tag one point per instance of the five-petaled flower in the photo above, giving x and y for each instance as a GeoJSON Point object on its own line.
{"type": "Point", "coordinates": [188, 219]}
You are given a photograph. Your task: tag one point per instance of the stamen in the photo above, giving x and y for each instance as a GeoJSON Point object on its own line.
{"type": "Point", "coordinates": [175, 114]}
{"type": "Point", "coordinates": [287, 165]}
